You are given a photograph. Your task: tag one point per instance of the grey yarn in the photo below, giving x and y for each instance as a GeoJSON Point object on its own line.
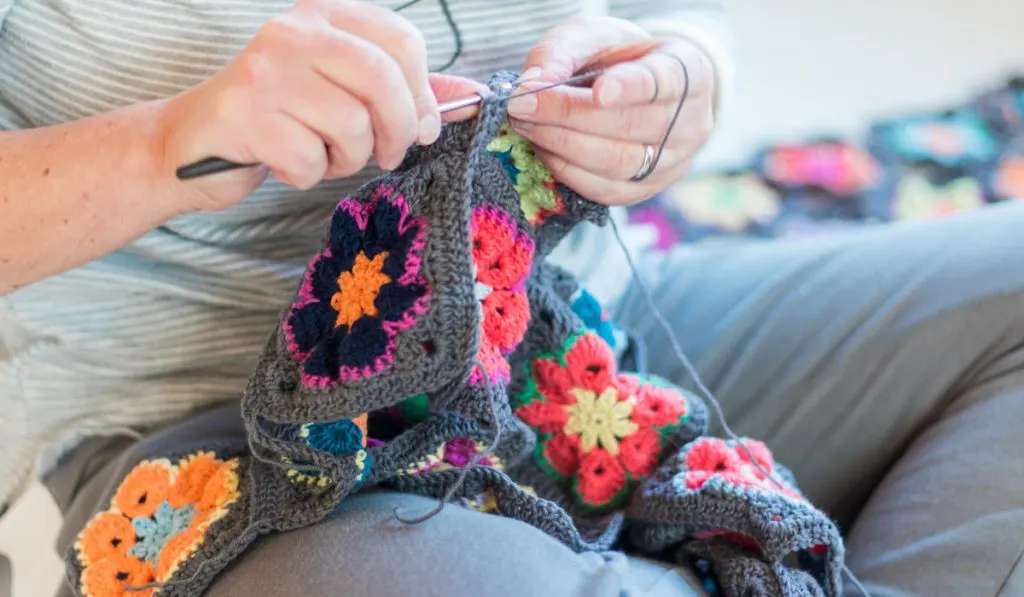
{"type": "Point", "coordinates": [288, 484]}
{"type": "Point", "coordinates": [742, 572]}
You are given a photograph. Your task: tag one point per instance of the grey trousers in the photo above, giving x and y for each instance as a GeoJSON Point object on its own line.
{"type": "Point", "coordinates": [886, 368]}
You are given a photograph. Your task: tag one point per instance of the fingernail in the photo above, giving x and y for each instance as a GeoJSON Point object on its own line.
{"type": "Point", "coordinates": [521, 125]}
{"type": "Point", "coordinates": [523, 105]}
{"type": "Point", "coordinates": [611, 91]}
{"type": "Point", "coordinates": [531, 73]}
{"type": "Point", "coordinates": [429, 129]}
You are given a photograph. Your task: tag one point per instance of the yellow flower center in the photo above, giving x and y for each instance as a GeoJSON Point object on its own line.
{"type": "Point", "coordinates": [358, 289]}
{"type": "Point", "coordinates": [600, 419]}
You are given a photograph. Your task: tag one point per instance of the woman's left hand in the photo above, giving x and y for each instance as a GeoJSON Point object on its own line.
{"type": "Point", "coordinates": [594, 140]}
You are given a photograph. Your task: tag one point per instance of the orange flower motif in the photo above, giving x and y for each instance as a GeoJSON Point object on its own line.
{"type": "Point", "coordinates": [193, 475]}
{"type": "Point", "coordinates": [106, 535]}
{"type": "Point", "coordinates": [176, 551]}
{"type": "Point", "coordinates": [158, 518]}
{"type": "Point", "coordinates": [114, 575]}
{"type": "Point", "coordinates": [222, 488]}
{"type": "Point", "coordinates": [144, 489]}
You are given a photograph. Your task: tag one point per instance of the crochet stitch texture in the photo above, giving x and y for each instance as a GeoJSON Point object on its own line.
{"type": "Point", "coordinates": [428, 330]}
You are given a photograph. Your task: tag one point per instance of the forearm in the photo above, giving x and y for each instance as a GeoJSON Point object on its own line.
{"type": "Point", "coordinates": [74, 192]}
{"type": "Point", "coordinates": [704, 23]}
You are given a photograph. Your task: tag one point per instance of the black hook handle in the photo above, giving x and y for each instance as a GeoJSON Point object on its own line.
{"type": "Point", "coordinates": [208, 166]}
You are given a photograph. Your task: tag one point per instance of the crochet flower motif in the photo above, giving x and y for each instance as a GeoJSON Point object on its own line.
{"type": "Point", "coordinates": [533, 182]}
{"type": "Point", "coordinates": [710, 461]}
{"type": "Point", "coordinates": [839, 168]}
{"type": "Point", "coordinates": [153, 533]}
{"type": "Point", "coordinates": [347, 436]}
{"type": "Point", "coordinates": [455, 453]}
{"type": "Point", "coordinates": [916, 198]}
{"type": "Point", "coordinates": [360, 292]}
{"type": "Point", "coordinates": [158, 518]}
{"type": "Point", "coordinates": [502, 256]}
{"type": "Point", "coordinates": [598, 430]}
{"type": "Point", "coordinates": [730, 203]}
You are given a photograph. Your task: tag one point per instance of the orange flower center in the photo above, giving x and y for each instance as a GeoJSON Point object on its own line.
{"type": "Point", "coordinates": [358, 289]}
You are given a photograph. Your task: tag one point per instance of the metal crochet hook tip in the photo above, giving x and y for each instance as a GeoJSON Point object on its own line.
{"type": "Point", "coordinates": [208, 166]}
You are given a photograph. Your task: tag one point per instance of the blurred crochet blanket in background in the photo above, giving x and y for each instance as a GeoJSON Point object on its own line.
{"type": "Point", "coordinates": [916, 167]}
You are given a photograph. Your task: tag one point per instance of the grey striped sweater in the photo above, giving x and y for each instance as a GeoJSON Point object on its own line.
{"type": "Point", "coordinates": [174, 321]}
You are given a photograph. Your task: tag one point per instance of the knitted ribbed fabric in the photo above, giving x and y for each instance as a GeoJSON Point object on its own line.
{"type": "Point", "coordinates": [429, 342]}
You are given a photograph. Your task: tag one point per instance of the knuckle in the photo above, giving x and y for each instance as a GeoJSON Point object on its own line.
{"type": "Point", "coordinates": [255, 67]}
{"type": "Point", "coordinates": [358, 126]}
{"type": "Point", "coordinates": [282, 30]}
{"type": "Point", "coordinates": [410, 43]}
{"type": "Point", "coordinates": [633, 126]}
{"type": "Point", "coordinates": [562, 108]}
{"type": "Point", "coordinates": [626, 161]}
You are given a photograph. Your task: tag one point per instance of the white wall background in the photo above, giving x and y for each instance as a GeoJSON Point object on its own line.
{"type": "Point", "coordinates": [831, 66]}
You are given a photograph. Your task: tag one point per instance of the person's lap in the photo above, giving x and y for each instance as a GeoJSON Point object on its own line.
{"type": "Point", "coordinates": [365, 551]}
{"type": "Point", "coordinates": [893, 355]}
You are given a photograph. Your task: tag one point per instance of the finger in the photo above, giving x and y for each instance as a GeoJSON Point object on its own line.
{"type": "Point", "coordinates": [341, 121]}
{"type": "Point", "coordinates": [567, 48]}
{"type": "Point", "coordinates": [575, 109]}
{"type": "Point", "coordinates": [661, 77]}
{"type": "Point", "coordinates": [293, 153]}
{"type": "Point", "coordinates": [595, 187]}
{"type": "Point", "coordinates": [367, 72]}
{"type": "Point", "coordinates": [448, 87]}
{"type": "Point", "coordinates": [610, 159]}
{"type": "Point", "coordinates": [404, 43]}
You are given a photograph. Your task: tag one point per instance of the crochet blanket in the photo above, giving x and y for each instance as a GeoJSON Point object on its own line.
{"type": "Point", "coordinates": [431, 349]}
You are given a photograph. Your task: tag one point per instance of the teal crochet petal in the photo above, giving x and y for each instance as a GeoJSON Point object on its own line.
{"type": "Point", "coordinates": [152, 533]}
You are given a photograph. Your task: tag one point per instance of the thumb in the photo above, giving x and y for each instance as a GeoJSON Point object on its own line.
{"type": "Point", "coordinates": [449, 87]}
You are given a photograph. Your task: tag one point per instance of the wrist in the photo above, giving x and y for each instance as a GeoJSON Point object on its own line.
{"type": "Point", "coordinates": [159, 158]}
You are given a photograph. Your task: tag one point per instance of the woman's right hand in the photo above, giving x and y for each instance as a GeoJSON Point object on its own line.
{"type": "Point", "coordinates": [317, 92]}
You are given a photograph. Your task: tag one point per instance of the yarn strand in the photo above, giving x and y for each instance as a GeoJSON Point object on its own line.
{"type": "Point", "coordinates": [708, 396]}
{"type": "Point", "coordinates": [461, 480]}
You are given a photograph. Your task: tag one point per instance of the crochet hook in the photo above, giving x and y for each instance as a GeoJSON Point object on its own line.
{"type": "Point", "coordinates": [599, 62]}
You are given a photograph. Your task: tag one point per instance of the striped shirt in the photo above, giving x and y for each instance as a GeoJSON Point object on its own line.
{"type": "Point", "coordinates": [174, 321]}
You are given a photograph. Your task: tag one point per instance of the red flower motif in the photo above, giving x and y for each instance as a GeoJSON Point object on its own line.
{"type": "Point", "coordinates": [591, 429]}
{"type": "Point", "coordinates": [711, 458]}
{"type": "Point", "coordinates": [639, 452]}
{"type": "Point", "coordinates": [563, 452]}
{"type": "Point", "coordinates": [657, 407]}
{"type": "Point", "coordinates": [506, 315]}
{"type": "Point", "coordinates": [545, 417]}
{"type": "Point", "coordinates": [591, 363]}
{"type": "Point", "coordinates": [712, 455]}
{"type": "Point", "coordinates": [502, 256]}
{"type": "Point", "coordinates": [601, 478]}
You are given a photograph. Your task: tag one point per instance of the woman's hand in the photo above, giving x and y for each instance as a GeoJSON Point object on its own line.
{"type": "Point", "coordinates": [594, 140]}
{"type": "Point", "coordinates": [317, 92]}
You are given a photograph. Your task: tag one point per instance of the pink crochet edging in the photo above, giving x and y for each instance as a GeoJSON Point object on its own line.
{"type": "Point", "coordinates": [413, 262]}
